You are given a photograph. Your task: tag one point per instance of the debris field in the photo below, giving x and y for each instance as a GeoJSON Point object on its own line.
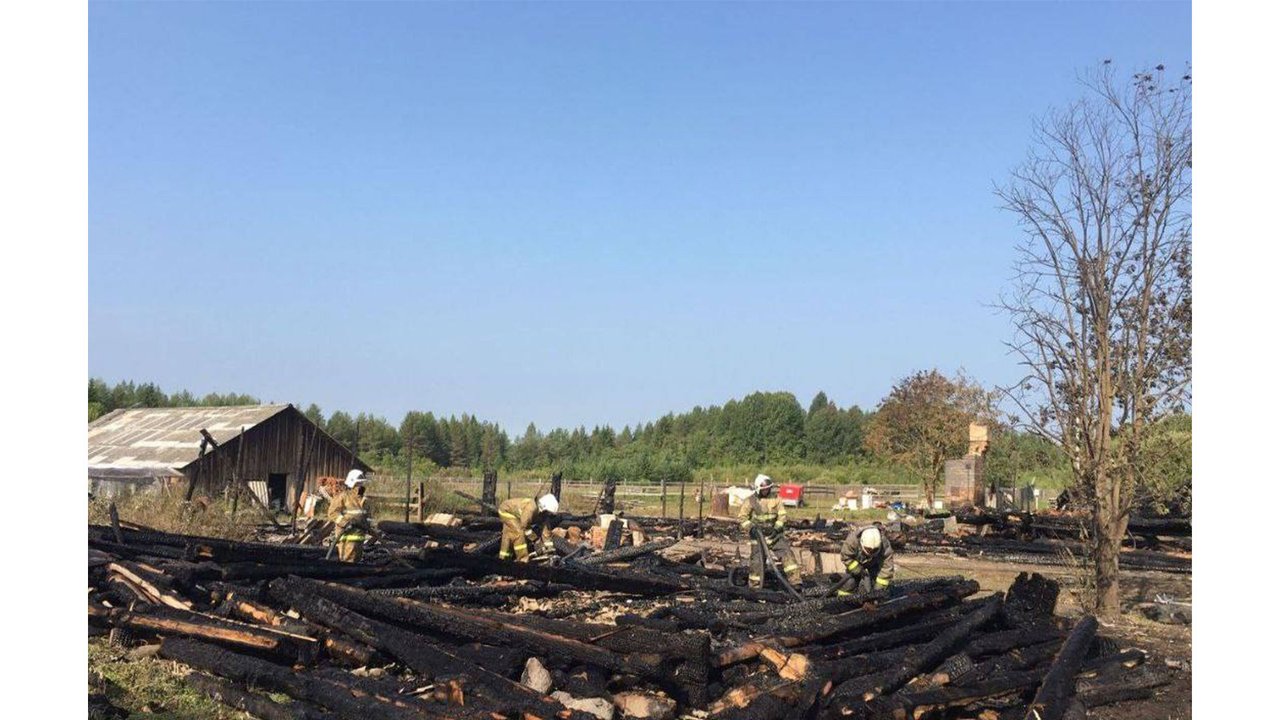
{"type": "Point", "coordinates": [433, 625]}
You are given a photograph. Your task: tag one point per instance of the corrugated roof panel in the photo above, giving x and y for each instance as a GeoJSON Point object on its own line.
{"type": "Point", "coordinates": [166, 437]}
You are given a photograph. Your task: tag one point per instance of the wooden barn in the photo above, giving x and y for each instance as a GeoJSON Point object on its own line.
{"type": "Point", "coordinates": [166, 449]}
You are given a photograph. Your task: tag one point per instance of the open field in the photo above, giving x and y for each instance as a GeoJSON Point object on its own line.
{"type": "Point", "coordinates": [644, 499]}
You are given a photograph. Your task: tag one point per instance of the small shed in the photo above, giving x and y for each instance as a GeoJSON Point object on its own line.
{"type": "Point", "coordinates": [151, 449]}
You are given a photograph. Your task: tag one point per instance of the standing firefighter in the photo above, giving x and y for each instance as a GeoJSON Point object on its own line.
{"type": "Point", "coordinates": [761, 511]}
{"type": "Point", "coordinates": [868, 558]}
{"type": "Point", "coordinates": [350, 519]}
{"type": "Point", "coordinates": [519, 517]}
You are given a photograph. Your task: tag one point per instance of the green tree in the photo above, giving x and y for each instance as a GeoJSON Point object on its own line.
{"type": "Point", "coordinates": [925, 421]}
{"type": "Point", "coordinates": [315, 414]}
{"type": "Point", "coordinates": [343, 429]}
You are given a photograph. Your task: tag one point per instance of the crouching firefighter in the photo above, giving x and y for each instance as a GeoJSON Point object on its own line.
{"type": "Point", "coordinates": [525, 521]}
{"type": "Point", "coordinates": [351, 525]}
{"type": "Point", "coordinates": [766, 513]}
{"type": "Point", "coordinates": [868, 559]}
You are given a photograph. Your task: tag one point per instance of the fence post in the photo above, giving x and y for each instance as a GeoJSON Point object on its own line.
{"type": "Point", "coordinates": [663, 484]}
{"type": "Point", "coordinates": [422, 501]}
{"type": "Point", "coordinates": [680, 534]}
{"type": "Point", "coordinates": [489, 489]}
{"type": "Point", "coordinates": [702, 497]}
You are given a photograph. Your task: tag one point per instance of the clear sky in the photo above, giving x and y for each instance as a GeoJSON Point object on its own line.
{"type": "Point", "coordinates": [568, 213]}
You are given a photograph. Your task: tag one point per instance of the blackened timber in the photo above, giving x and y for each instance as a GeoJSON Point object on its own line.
{"type": "Point", "coordinates": [902, 706]}
{"type": "Point", "coordinates": [1059, 683]}
{"type": "Point", "coordinates": [433, 531]}
{"type": "Point", "coordinates": [171, 621]}
{"type": "Point", "coordinates": [1005, 640]}
{"type": "Point", "coordinates": [239, 698]}
{"type": "Point", "coordinates": [406, 578]}
{"type": "Point", "coordinates": [1023, 658]}
{"type": "Point", "coordinates": [440, 620]}
{"type": "Point", "coordinates": [475, 593]}
{"type": "Point", "coordinates": [923, 628]}
{"type": "Point", "coordinates": [488, 547]}
{"type": "Point", "coordinates": [319, 568]}
{"type": "Point", "coordinates": [337, 646]}
{"type": "Point", "coordinates": [927, 656]}
{"type": "Point", "coordinates": [627, 553]}
{"type": "Point", "coordinates": [276, 678]}
{"type": "Point", "coordinates": [848, 622]}
{"type": "Point", "coordinates": [692, 650]}
{"type": "Point", "coordinates": [416, 651]}
{"type": "Point", "coordinates": [613, 536]}
{"type": "Point", "coordinates": [612, 580]}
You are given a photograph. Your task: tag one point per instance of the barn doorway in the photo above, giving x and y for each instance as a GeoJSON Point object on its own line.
{"type": "Point", "coordinates": [277, 485]}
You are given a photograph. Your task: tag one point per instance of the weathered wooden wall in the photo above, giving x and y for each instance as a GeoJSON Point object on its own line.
{"type": "Point", "coordinates": [277, 445]}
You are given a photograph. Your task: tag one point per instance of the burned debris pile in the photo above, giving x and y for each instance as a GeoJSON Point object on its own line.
{"type": "Point", "coordinates": [1050, 539]}
{"type": "Point", "coordinates": [433, 625]}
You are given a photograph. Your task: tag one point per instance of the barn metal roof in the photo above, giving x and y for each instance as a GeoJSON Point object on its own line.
{"type": "Point", "coordinates": [146, 440]}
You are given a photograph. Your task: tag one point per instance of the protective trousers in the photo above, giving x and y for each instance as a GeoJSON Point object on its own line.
{"type": "Point", "coordinates": [350, 551]}
{"type": "Point", "coordinates": [863, 579]}
{"type": "Point", "coordinates": [782, 554]}
{"type": "Point", "coordinates": [514, 542]}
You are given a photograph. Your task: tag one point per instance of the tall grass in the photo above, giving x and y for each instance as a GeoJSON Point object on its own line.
{"type": "Point", "coordinates": [168, 512]}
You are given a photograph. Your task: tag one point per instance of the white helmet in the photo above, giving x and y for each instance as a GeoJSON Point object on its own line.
{"type": "Point", "coordinates": [870, 539]}
{"type": "Point", "coordinates": [763, 482]}
{"type": "Point", "coordinates": [549, 503]}
{"type": "Point", "coordinates": [355, 477]}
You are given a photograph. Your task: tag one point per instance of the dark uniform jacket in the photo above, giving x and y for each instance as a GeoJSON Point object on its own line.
{"type": "Point", "coordinates": [879, 564]}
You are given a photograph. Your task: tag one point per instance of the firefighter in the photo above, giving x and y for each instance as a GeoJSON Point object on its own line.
{"type": "Point", "coordinates": [351, 525]}
{"type": "Point", "coordinates": [520, 517]}
{"type": "Point", "coordinates": [868, 559]}
{"type": "Point", "coordinates": [762, 511]}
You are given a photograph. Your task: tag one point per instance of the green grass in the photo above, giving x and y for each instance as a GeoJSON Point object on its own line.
{"type": "Point", "coordinates": [154, 684]}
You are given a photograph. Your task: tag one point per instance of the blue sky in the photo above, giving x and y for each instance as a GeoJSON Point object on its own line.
{"type": "Point", "coordinates": [568, 213]}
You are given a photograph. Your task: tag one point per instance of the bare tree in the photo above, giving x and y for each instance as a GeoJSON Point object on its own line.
{"type": "Point", "coordinates": [1101, 300]}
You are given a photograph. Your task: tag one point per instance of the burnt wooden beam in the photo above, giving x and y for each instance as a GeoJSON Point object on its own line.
{"type": "Point", "coordinates": [916, 705]}
{"type": "Point", "coordinates": [626, 553]}
{"type": "Point", "coordinates": [419, 653]}
{"type": "Point", "coordinates": [611, 580]}
{"type": "Point", "coordinates": [168, 622]}
{"type": "Point", "coordinates": [923, 628]}
{"type": "Point", "coordinates": [276, 678]}
{"type": "Point", "coordinates": [925, 657]}
{"type": "Point", "coordinates": [1022, 658]}
{"type": "Point", "coordinates": [441, 620]}
{"type": "Point", "coordinates": [238, 697]}
{"type": "Point", "coordinates": [851, 621]}
{"type": "Point", "coordinates": [1005, 640]}
{"type": "Point", "coordinates": [1059, 682]}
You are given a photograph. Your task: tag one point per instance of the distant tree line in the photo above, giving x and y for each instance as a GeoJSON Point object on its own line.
{"type": "Point", "coordinates": [104, 398]}
{"type": "Point", "coordinates": [924, 417]}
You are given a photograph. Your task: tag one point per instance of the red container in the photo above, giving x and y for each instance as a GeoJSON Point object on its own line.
{"type": "Point", "coordinates": [791, 495]}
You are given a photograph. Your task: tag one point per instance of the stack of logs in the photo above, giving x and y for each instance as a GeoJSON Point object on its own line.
{"type": "Point", "coordinates": [438, 630]}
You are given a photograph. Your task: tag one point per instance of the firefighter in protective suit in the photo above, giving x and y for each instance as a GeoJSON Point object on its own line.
{"type": "Point", "coordinates": [868, 558]}
{"type": "Point", "coordinates": [350, 518]}
{"type": "Point", "coordinates": [519, 518]}
{"type": "Point", "coordinates": [763, 511]}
